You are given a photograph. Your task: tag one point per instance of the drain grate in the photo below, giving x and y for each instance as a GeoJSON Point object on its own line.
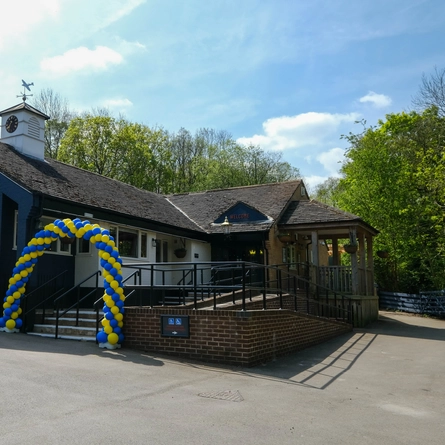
{"type": "Point", "coordinates": [231, 396]}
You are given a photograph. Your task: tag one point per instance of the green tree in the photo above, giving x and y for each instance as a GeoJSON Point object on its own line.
{"type": "Point", "coordinates": [393, 179]}
{"type": "Point", "coordinates": [327, 192]}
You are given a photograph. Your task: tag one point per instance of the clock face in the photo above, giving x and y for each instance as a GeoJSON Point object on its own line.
{"type": "Point", "coordinates": [12, 124]}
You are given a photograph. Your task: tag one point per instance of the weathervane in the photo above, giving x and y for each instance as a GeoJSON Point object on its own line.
{"type": "Point", "coordinates": [26, 87]}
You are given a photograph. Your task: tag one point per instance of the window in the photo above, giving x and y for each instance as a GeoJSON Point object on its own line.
{"type": "Point", "coordinates": [127, 241]}
{"type": "Point", "coordinates": [144, 240]}
{"type": "Point", "coordinates": [56, 246]}
{"type": "Point", "coordinates": [83, 246]}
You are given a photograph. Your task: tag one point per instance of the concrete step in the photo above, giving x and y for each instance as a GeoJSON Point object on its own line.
{"type": "Point", "coordinates": [65, 330]}
{"type": "Point", "coordinates": [64, 337]}
{"type": "Point", "coordinates": [85, 331]}
{"type": "Point", "coordinates": [84, 313]}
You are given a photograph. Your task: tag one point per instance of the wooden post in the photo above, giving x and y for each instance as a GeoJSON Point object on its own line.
{"type": "Point", "coordinates": [354, 262]}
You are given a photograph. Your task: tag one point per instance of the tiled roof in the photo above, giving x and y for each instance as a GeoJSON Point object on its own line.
{"type": "Point", "coordinates": [310, 212]}
{"type": "Point", "coordinates": [62, 181]}
{"type": "Point", "coordinates": [204, 208]}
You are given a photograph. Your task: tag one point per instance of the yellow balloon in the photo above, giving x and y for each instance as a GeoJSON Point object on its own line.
{"type": "Point", "coordinates": [105, 256]}
{"type": "Point", "coordinates": [47, 240]}
{"type": "Point", "coordinates": [14, 315]}
{"type": "Point", "coordinates": [24, 273]}
{"type": "Point", "coordinates": [119, 317]}
{"type": "Point", "coordinates": [10, 324]}
{"type": "Point", "coordinates": [17, 277]}
{"type": "Point", "coordinates": [27, 257]}
{"type": "Point", "coordinates": [20, 261]}
{"type": "Point", "coordinates": [114, 310]}
{"type": "Point", "coordinates": [40, 241]}
{"type": "Point", "coordinates": [19, 310]}
{"type": "Point", "coordinates": [105, 322]}
{"type": "Point", "coordinates": [113, 338]}
{"type": "Point", "coordinates": [114, 284]}
{"type": "Point", "coordinates": [108, 329]}
{"type": "Point", "coordinates": [10, 299]}
{"type": "Point", "coordinates": [6, 305]}
{"type": "Point", "coordinates": [33, 254]}
{"type": "Point", "coordinates": [110, 303]}
{"type": "Point", "coordinates": [110, 279]}
{"type": "Point", "coordinates": [111, 260]}
{"type": "Point", "coordinates": [104, 238]}
{"type": "Point", "coordinates": [121, 324]}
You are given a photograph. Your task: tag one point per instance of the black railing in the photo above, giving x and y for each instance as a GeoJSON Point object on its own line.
{"type": "Point", "coordinates": [238, 282]}
{"type": "Point", "coordinates": [79, 299]}
{"type": "Point", "coordinates": [29, 306]}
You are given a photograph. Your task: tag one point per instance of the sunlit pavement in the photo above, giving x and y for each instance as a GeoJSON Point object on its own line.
{"type": "Point", "coordinates": [380, 385]}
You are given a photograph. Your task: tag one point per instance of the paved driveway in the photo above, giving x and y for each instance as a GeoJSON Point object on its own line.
{"type": "Point", "coordinates": [382, 385]}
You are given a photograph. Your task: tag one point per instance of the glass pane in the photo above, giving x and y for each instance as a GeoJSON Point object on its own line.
{"type": "Point", "coordinates": [144, 245]}
{"type": "Point", "coordinates": [128, 243]}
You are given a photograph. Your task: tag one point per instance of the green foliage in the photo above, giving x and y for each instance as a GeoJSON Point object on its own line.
{"type": "Point", "coordinates": [393, 179]}
{"type": "Point", "coordinates": [155, 160]}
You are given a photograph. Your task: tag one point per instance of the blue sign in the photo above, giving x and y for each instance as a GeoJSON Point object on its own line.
{"type": "Point", "coordinates": [241, 213]}
{"type": "Point", "coordinates": [175, 326]}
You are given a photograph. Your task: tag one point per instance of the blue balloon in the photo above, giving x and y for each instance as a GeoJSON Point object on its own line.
{"type": "Point", "coordinates": [102, 337]}
{"type": "Point", "coordinates": [115, 254]}
{"type": "Point", "coordinates": [105, 232]}
{"type": "Point", "coordinates": [2, 322]}
{"type": "Point", "coordinates": [113, 322]}
{"type": "Point", "coordinates": [110, 290]}
{"type": "Point", "coordinates": [14, 307]}
{"type": "Point", "coordinates": [97, 244]}
{"type": "Point", "coordinates": [121, 338]}
{"type": "Point", "coordinates": [26, 250]}
{"type": "Point", "coordinates": [32, 248]}
{"type": "Point", "coordinates": [18, 323]}
{"type": "Point", "coordinates": [116, 297]}
{"type": "Point", "coordinates": [88, 235]}
{"type": "Point", "coordinates": [107, 266]}
{"type": "Point", "coordinates": [7, 311]}
{"type": "Point", "coordinates": [19, 283]}
{"type": "Point", "coordinates": [117, 330]}
{"type": "Point", "coordinates": [102, 245]}
{"type": "Point", "coordinates": [120, 304]}
{"type": "Point", "coordinates": [108, 315]}
{"type": "Point", "coordinates": [96, 231]}
{"type": "Point", "coordinates": [106, 308]}
{"type": "Point", "coordinates": [108, 249]}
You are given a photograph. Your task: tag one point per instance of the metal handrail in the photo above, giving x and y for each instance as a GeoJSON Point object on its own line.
{"type": "Point", "coordinates": [287, 283]}
{"type": "Point", "coordinates": [77, 303]}
{"type": "Point", "coordinates": [41, 303]}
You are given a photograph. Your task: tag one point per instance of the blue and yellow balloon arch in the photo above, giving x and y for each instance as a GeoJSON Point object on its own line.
{"type": "Point", "coordinates": [110, 336]}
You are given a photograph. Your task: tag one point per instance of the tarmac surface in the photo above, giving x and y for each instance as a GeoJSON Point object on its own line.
{"type": "Point", "coordinates": [381, 385]}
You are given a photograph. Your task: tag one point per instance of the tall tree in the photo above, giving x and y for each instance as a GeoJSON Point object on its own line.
{"type": "Point", "coordinates": [432, 92]}
{"type": "Point", "coordinates": [393, 179]}
{"type": "Point", "coordinates": [56, 107]}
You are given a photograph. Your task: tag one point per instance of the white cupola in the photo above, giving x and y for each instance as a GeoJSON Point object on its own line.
{"type": "Point", "coordinates": [23, 127]}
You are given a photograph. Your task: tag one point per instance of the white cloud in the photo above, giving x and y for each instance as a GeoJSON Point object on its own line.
{"type": "Point", "coordinates": [120, 104]}
{"type": "Point", "coordinates": [378, 100]}
{"type": "Point", "coordinates": [81, 58]}
{"type": "Point", "coordinates": [19, 17]}
{"type": "Point", "coordinates": [331, 160]}
{"type": "Point", "coordinates": [302, 130]}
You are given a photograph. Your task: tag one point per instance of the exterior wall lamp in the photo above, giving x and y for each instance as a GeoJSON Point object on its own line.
{"type": "Point", "coordinates": [226, 226]}
{"type": "Point", "coordinates": [153, 242]}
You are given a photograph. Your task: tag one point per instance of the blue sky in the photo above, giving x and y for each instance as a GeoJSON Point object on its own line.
{"type": "Point", "coordinates": [288, 75]}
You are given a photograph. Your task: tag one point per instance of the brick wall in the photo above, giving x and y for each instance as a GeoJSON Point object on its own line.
{"type": "Point", "coordinates": [229, 337]}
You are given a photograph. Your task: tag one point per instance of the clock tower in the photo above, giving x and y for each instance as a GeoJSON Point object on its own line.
{"type": "Point", "coordinates": [23, 127]}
